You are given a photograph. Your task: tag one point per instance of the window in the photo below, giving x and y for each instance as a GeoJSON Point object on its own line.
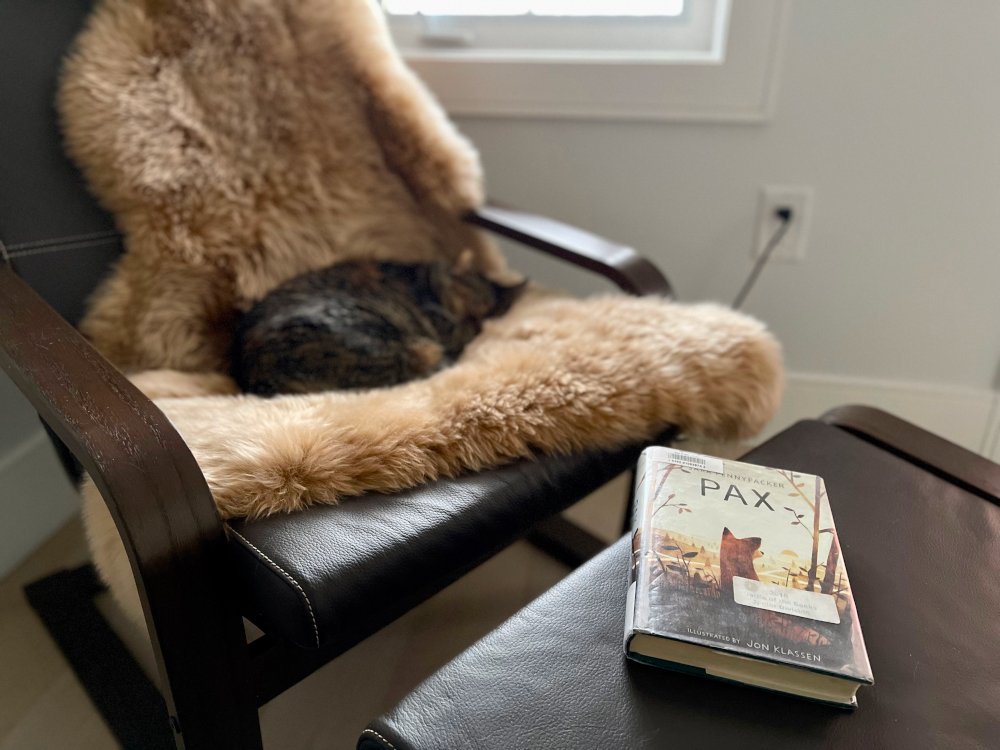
{"type": "Point", "coordinates": [636, 59]}
{"type": "Point", "coordinates": [577, 30]}
{"type": "Point", "coordinates": [537, 7]}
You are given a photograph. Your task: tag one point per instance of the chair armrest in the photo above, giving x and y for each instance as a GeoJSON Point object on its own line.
{"type": "Point", "coordinates": [931, 452]}
{"type": "Point", "coordinates": [623, 265]}
{"type": "Point", "coordinates": [157, 496]}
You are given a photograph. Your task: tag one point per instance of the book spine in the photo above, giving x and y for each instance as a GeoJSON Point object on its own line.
{"type": "Point", "coordinates": [638, 513]}
{"type": "Point", "coordinates": [639, 492]}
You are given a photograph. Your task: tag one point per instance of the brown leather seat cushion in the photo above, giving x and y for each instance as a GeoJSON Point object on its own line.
{"type": "Point", "coordinates": [924, 557]}
{"type": "Point", "coordinates": [330, 576]}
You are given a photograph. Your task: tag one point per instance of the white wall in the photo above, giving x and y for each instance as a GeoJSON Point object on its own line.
{"type": "Point", "coordinates": [892, 112]}
{"type": "Point", "coordinates": [17, 419]}
{"type": "Point", "coordinates": [36, 498]}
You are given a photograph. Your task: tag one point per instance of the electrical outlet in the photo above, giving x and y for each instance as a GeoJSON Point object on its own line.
{"type": "Point", "coordinates": [792, 246]}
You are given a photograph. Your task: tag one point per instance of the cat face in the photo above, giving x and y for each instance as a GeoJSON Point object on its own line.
{"type": "Point", "coordinates": [469, 295]}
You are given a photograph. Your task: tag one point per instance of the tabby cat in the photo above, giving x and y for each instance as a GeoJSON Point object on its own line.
{"type": "Point", "coordinates": [363, 324]}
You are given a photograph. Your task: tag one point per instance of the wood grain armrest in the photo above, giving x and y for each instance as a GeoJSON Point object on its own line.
{"type": "Point", "coordinates": [931, 452]}
{"type": "Point", "coordinates": [622, 265]}
{"type": "Point", "coordinates": [156, 493]}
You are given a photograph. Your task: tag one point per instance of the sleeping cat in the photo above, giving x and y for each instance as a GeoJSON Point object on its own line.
{"type": "Point", "coordinates": [363, 324]}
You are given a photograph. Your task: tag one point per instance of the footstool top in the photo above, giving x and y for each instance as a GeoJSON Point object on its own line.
{"type": "Point", "coordinates": [924, 556]}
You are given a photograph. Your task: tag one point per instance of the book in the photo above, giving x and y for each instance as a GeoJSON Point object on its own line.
{"type": "Point", "coordinates": [738, 574]}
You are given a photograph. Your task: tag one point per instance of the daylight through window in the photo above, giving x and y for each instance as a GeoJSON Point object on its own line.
{"type": "Point", "coordinates": [561, 30]}
{"type": "Point", "coordinates": [536, 7]}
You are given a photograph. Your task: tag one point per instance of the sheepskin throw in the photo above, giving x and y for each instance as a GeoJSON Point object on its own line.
{"type": "Point", "coordinates": [243, 142]}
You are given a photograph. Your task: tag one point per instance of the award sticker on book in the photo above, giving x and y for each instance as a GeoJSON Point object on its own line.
{"type": "Point", "coordinates": [811, 604]}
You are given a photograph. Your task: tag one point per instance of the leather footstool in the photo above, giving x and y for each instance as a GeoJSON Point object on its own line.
{"type": "Point", "coordinates": [920, 526]}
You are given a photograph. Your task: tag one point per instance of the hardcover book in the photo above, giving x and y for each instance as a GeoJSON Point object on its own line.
{"type": "Point", "coordinates": [737, 573]}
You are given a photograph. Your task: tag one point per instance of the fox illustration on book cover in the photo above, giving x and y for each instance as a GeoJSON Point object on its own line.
{"type": "Point", "coordinates": [736, 558]}
{"type": "Point", "coordinates": [704, 530]}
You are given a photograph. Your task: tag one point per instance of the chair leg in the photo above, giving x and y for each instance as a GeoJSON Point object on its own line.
{"type": "Point", "coordinates": [129, 702]}
{"type": "Point", "coordinates": [565, 541]}
{"type": "Point", "coordinates": [214, 704]}
{"type": "Point", "coordinates": [570, 544]}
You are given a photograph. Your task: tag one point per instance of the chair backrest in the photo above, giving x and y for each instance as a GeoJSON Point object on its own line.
{"type": "Point", "coordinates": [52, 232]}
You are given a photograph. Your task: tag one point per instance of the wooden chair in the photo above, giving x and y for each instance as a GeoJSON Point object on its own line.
{"type": "Point", "coordinates": [316, 582]}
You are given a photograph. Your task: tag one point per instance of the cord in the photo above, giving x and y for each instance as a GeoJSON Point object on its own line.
{"type": "Point", "coordinates": [784, 215]}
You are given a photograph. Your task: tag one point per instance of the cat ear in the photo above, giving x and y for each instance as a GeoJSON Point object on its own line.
{"type": "Point", "coordinates": [506, 296]}
{"type": "Point", "coordinates": [726, 532]}
{"type": "Point", "coordinates": [465, 262]}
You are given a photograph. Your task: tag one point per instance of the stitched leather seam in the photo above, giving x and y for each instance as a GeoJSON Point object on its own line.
{"type": "Point", "coordinates": [60, 248]}
{"type": "Point", "coordinates": [312, 615]}
{"type": "Point", "coordinates": [372, 731]}
{"type": "Point", "coordinates": [109, 234]}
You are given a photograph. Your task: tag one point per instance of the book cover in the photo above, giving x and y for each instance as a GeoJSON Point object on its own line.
{"type": "Point", "coordinates": [743, 559]}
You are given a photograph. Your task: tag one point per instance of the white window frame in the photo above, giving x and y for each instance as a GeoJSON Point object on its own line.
{"type": "Point", "coordinates": [737, 85]}
{"type": "Point", "coordinates": [697, 33]}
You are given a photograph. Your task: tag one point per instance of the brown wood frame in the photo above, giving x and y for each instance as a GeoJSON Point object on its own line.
{"type": "Point", "coordinates": [161, 503]}
{"type": "Point", "coordinates": [940, 457]}
{"type": "Point", "coordinates": [632, 273]}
